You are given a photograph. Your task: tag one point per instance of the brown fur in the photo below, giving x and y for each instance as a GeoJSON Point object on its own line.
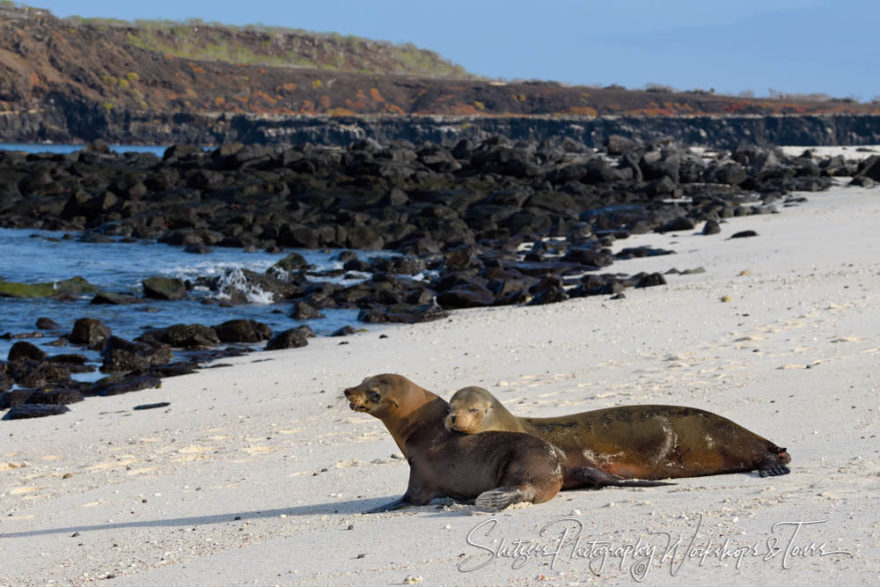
{"type": "Point", "coordinates": [644, 441]}
{"type": "Point", "coordinates": [496, 468]}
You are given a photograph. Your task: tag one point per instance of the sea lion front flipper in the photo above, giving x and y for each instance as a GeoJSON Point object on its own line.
{"type": "Point", "coordinates": [593, 478]}
{"type": "Point", "coordinates": [501, 497]}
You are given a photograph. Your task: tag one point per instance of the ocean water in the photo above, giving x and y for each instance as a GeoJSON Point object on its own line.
{"type": "Point", "coordinates": [33, 256]}
{"type": "Point", "coordinates": [66, 148]}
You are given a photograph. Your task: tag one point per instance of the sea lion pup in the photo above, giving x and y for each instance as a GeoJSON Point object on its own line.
{"type": "Point", "coordinates": [497, 468]}
{"type": "Point", "coordinates": [644, 441]}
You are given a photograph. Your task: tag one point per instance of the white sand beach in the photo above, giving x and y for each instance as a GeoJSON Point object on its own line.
{"type": "Point", "coordinates": [258, 471]}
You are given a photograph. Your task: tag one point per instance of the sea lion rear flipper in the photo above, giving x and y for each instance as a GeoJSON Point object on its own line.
{"type": "Point", "coordinates": [774, 463]}
{"type": "Point", "coordinates": [773, 470]}
{"type": "Point", "coordinates": [389, 507]}
{"type": "Point", "coordinates": [593, 478]}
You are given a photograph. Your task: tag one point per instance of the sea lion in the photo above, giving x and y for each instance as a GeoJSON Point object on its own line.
{"type": "Point", "coordinates": [644, 441]}
{"type": "Point", "coordinates": [497, 468]}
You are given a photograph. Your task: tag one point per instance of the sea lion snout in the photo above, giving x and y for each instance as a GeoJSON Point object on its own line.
{"type": "Point", "coordinates": [357, 398]}
{"type": "Point", "coordinates": [375, 395]}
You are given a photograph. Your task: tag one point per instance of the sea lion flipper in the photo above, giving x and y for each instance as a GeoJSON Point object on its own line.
{"type": "Point", "coordinates": [594, 478]}
{"type": "Point", "coordinates": [773, 470]}
{"type": "Point", "coordinates": [500, 498]}
{"type": "Point", "coordinates": [389, 507]}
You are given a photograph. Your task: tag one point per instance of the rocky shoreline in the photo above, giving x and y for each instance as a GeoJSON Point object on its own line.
{"type": "Point", "coordinates": [496, 222]}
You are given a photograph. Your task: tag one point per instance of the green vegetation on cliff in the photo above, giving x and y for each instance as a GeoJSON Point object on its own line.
{"type": "Point", "coordinates": [275, 46]}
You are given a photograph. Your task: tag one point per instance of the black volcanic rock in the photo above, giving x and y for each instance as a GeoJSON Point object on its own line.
{"type": "Point", "coordinates": [47, 324]}
{"type": "Point", "coordinates": [89, 332]}
{"type": "Point", "coordinates": [116, 385]}
{"type": "Point", "coordinates": [123, 355]}
{"type": "Point", "coordinates": [711, 227]}
{"type": "Point", "coordinates": [403, 313]}
{"type": "Point", "coordinates": [23, 350]}
{"type": "Point", "coordinates": [164, 288]}
{"type": "Point", "coordinates": [188, 336]}
{"type": "Point", "coordinates": [25, 411]}
{"type": "Point", "coordinates": [287, 339]}
{"type": "Point", "coordinates": [243, 331]}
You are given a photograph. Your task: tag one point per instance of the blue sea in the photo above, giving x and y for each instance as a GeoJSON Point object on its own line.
{"type": "Point", "coordinates": [36, 256]}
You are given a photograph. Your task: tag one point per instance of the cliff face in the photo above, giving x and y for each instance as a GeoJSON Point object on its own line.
{"type": "Point", "coordinates": [73, 122]}
{"type": "Point", "coordinates": [68, 80]}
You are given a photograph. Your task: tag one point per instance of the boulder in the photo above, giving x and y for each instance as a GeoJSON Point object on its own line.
{"type": "Point", "coordinates": [164, 288]}
{"type": "Point", "coordinates": [113, 299]}
{"type": "Point", "coordinates": [650, 280]}
{"type": "Point", "coordinates": [90, 332]}
{"type": "Point", "coordinates": [38, 374]}
{"type": "Point", "coordinates": [72, 287]}
{"type": "Point", "coordinates": [292, 262]}
{"type": "Point", "coordinates": [123, 355]}
{"type": "Point", "coordinates": [188, 336]}
{"type": "Point", "coordinates": [466, 295]}
{"type": "Point", "coordinates": [293, 338]}
{"type": "Point", "coordinates": [711, 227]}
{"type": "Point", "coordinates": [44, 323]}
{"type": "Point", "coordinates": [403, 313]}
{"type": "Point", "coordinates": [23, 350]}
{"type": "Point", "coordinates": [303, 310]}
{"type": "Point", "coordinates": [242, 331]}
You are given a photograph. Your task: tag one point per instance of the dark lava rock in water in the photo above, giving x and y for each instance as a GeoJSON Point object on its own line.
{"type": "Point", "coordinates": [305, 311]}
{"type": "Point", "coordinates": [293, 338]}
{"type": "Point", "coordinates": [112, 299]}
{"type": "Point", "coordinates": [39, 374]}
{"type": "Point", "coordinates": [243, 331]}
{"type": "Point", "coordinates": [744, 234]}
{"type": "Point", "coordinates": [294, 261]}
{"type": "Point", "coordinates": [24, 411]}
{"type": "Point", "coordinates": [90, 332]}
{"type": "Point", "coordinates": [47, 324]}
{"type": "Point", "coordinates": [164, 288]}
{"type": "Point", "coordinates": [23, 350]}
{"type": "Point", "coordinates": [187, 336]}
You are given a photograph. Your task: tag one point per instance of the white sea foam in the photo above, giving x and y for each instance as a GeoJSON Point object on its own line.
{"type": "Point", "coordinates": [234, 280]}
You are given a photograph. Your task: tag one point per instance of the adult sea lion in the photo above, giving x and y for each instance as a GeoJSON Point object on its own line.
{"type": "Point", "coordinates": [498, 468]}
{"type": "Point", "coordinates": [644, 441]}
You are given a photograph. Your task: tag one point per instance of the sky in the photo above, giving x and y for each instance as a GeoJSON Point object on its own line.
{"type": "Point", "coordinates": [788, 46]}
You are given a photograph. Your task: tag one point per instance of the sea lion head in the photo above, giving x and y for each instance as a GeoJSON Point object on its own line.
{"type": "Point", "coordinates": [379, 395]}
{"type": "Point", "coordinates": [469, 410]}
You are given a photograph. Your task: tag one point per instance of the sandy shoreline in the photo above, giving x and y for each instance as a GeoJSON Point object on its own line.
{"type": "Point", "coordinates": [258, 471]}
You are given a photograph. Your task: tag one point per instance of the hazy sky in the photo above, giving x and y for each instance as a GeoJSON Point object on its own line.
{"type": "Point", "coordinates": [801, 46]}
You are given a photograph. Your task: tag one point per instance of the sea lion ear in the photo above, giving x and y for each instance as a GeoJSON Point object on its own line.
{"type": "Point", "coordinates": [396, 405]}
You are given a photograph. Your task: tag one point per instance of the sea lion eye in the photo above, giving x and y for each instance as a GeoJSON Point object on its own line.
{"type": "Point", "coordinates": [373, 396]}
{"type": "Point", "coordinates": [474, 410]}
